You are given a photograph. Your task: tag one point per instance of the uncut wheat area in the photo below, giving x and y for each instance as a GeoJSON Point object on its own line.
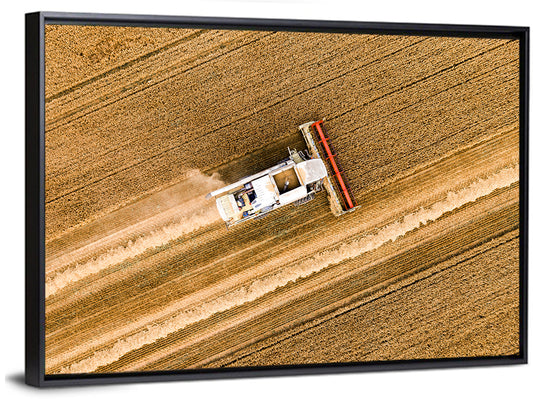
{"type": "Point", "coordinates": [143, 275]}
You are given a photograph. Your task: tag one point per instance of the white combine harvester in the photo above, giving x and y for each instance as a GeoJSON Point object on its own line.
{"type": "Point", "coordinates": [293, 181]}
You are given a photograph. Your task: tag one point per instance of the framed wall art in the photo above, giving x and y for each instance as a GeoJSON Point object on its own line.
{"type": "Point", "coordinates": [218, 197]}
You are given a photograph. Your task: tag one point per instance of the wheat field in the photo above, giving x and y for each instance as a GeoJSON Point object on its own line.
{"type": "Point", "coordinates": [141, 272]}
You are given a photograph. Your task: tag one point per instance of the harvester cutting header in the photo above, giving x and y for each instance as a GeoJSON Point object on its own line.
{"type": "Point", "coordinates": [295, 180]}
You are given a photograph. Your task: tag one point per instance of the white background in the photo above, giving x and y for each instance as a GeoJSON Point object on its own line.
{"type": "Point", "coordinates": [489, 382]}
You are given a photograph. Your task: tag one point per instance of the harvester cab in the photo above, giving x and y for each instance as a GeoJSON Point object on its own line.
{"type": "Point", "coordinates": [293, 181]}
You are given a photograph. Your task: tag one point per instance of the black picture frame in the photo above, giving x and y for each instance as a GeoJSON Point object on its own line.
{"type": "Point", "coordinates": [35, 191]}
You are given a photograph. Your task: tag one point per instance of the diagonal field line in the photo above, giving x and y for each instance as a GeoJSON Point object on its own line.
{"type": "Point", "coordinates": [127, 64]}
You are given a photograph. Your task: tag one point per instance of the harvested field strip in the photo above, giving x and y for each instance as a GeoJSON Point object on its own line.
{"type": "Point", "coordinates": [110, 293]}
{"type": "Point", "coordinates": [196, 219]}
{"type": "Point", "coordinates": [316, 301]}
{"type": "Point", "coordinates": [361, 325]}
{"type": "Point", "coordinates": [304, 289]}
{"type": "Point", "coordinates": [404, 283]}
{"type": "Point", "coordinates": [194, 355]}
{"type": "Point", "coordinates": [124, 225]}
{"type": "Point", "coordinates": [304, 297]}
{"type": "Point", "coordinates": [251, 291]}
{"type": "Point", "coordinates": [188, 265]}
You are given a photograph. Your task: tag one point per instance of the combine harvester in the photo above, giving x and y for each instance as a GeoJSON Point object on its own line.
{"type": "Point", "coordinates": [293, 181]}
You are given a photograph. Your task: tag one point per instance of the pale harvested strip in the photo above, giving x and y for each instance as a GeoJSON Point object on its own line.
{"type": "Point", "coordinates": [198, 217]}
{"type": "Point", "coordinates": [320, 294]}
{"type": "Point", "coordinates": [257, 287]}
{"type": "Point", "coordinates": [163, 208]}
{"type": "Point", "coordinates": [430, 317]}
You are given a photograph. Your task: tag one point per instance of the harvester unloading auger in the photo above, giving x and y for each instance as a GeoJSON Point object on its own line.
{"type": "Point", "coordinates": [294, 180]}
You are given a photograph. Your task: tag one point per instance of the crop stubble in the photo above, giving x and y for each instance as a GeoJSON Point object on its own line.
{"type": "Point", "coordinates": [405, 114]}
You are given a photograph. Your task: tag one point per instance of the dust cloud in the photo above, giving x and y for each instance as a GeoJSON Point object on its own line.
{"type": "Point", "coordinates": [185, 210]}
